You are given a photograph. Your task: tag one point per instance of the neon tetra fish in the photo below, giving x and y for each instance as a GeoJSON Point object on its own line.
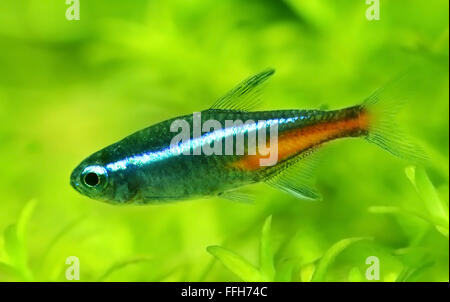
{"type": "Point", "coordinates": [147, 167]}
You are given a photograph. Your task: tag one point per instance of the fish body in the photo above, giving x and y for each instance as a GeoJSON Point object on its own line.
{"type": "Point", "coordinates": [147, 167]}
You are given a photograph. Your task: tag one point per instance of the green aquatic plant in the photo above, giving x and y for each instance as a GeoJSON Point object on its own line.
{"type": "Point", "coordinates": [315, 271]}
{"type": "Point", "coordinates": [241, 267]}
{"type": "Point", "coordinates": [15, 262]}
{"type": "Point", "coordinates": [416, 258]}
{"type": "Point", "coordinates": [121, 265]}
{"type": "Point", "coordinates": [328, 257]}
{"type": "Point", "coordinates": [437, 209]}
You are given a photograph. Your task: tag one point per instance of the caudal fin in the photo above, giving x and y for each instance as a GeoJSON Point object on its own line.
{"type": "Point", "coordinates": [382, 111]}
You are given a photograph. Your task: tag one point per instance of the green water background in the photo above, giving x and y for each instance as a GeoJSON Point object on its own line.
{"type": "Point", "coordinates": [69, 88]}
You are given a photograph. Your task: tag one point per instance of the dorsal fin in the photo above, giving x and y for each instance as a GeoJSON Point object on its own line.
{"type": "Point", "coordinates": [244, 96]}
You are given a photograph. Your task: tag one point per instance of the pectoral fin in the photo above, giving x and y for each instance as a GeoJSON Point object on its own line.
{"type": "Point", "coordinates": [237, 196]}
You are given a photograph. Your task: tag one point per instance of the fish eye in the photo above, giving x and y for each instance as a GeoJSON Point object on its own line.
{"type": "Point", "coordinates": [94, 176]}
{"type": "Point", "coordinates": [91, 179]}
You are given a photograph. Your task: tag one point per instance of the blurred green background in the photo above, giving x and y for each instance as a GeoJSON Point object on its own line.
{"type": "Point", "coordinates": [69, 88]}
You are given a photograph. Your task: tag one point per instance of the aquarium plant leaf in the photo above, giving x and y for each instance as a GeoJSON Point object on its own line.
{"type": "Point", "coordinates": [236, 264]}
{"type": "Point", "coordinates": [24, 218]}
{"type": "Point", "coordinates": [14, 237]}
{"type": "Point", "coordinates": [443, 230]}
{"type": "Point", "coordinates": [284, 271]}
{"type": "Point", "coordinates": [12, 245]}
{"type": "Point", "coordinates": [16, 252]}
{"type": "Point", "coordinates": [399, 211]}
{"type": "Point", "coordinates": [265, 251]}
{"type": "Point", "coordinates": [6, 269]}
{"type": "Point", "coordinates": [412, 256]}
{"type": "Point", "coordinates": [408, 273]}
{"type": "Point", "coordinates": [329, 256]}
{"type": "Point", "coordinates": [307, 272]}
{"type": "Point", "coordinates": [415, 261]}
{"type": "Point", "coordinates": [436, 208]}
{"type": "Point", "coordinates": [122, 264]}
{"type": "Point", "coordinates": [61, 234]}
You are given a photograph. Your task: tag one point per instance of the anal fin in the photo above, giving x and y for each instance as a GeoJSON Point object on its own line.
{"type": "Point", "coordinates": [297, 178]}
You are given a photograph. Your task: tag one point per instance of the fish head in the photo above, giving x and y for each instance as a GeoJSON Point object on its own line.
{"type": "Point", "coordinates": [92, 180]}
{"type": "Point", "coordinates": [95, 178]}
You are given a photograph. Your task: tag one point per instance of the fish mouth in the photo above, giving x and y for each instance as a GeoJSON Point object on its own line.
{"type": "Point", "coordinates": [74, 182]}
{"type": "Point", "coordinates": [75, 185]}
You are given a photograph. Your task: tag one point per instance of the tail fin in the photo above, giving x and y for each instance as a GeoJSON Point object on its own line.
{"type": "Point", "coordinates": [384, 131]}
